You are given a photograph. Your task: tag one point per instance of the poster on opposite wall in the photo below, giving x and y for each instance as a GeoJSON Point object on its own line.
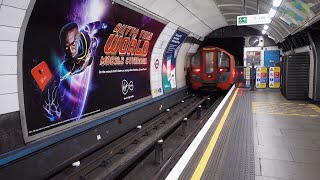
{"type": "Point", "coordinates": [169, 60]}
{"type": "Point", "coordinates": [271, 58]}
{"type": "Point", "coordinates": [253, 57]}
{"type": "Point", "coordinates": [81, 58]}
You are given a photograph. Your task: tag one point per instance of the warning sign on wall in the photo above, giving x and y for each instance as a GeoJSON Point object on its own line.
{"type": "Point", "coordinates": [274, 77]}
{"type": "Point", "coordinates": [247, 76]}
{"type": "Point", "coordinates": [261, 77]}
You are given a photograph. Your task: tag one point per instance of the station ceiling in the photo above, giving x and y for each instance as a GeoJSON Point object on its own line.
{"type": "Point", "coordinates": [201, 17]}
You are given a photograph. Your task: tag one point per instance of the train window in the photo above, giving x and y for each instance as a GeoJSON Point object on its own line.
{"type": "Point", "coordinates": [209, 62]}
{"type": "Point", "coordinates": [196, 60]}
{"type": "Point", "coordinates": [224, 60]}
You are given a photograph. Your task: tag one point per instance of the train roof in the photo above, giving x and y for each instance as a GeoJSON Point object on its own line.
{"type": "Point", "coordinates": [214, 48]}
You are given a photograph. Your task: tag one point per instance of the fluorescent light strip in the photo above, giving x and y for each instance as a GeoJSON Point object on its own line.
{"type": "Point", "coordinates": [272, 12]}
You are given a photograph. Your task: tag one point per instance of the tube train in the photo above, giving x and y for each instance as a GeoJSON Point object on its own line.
{"type": "Point", "coordinates": [211, 68]}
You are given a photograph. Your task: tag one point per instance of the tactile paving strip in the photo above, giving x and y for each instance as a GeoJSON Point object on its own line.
{"type": "Point", "coordinates": [194, 161]}
{"type": "Point", "coordinates": [233, 154]}
{"type": "Point", "coordinates": [237, 161]}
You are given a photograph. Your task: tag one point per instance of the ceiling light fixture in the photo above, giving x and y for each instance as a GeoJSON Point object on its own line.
{"type": "Point", "coordinates": [276, 3]}
{"type": "Point", "coordinates": [265, 27]}
{"type": "Point", "coordinates": [272, 13]}
{"type": "Point", "coordinates": [264, 31]}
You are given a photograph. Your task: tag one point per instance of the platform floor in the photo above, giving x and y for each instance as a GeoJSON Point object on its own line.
{"type": "Point", "coordinates": [287, 137]}
{"type": "Point", "coordinates": [258, 135]}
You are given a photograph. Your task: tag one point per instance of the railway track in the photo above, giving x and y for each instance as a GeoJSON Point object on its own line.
{"type": "Point", "coordinates": [122, 157]}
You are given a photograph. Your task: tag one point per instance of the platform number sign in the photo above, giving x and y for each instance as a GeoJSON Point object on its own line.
{"type": "Point", "coordinates": [247, 76]}
{"type": "Point", "coordinates": [261, 77]}
{"type": "Point", "coordinates": [274, 77]}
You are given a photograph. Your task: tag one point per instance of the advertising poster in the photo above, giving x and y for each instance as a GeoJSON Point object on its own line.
{"type": "Point", "coordinates": [169, 60]}
{"type": "Point", "coordinates": [253, 57]}
{"type": "Point", "coordinates": [81, 58]}
{"type": "Point", "coordinates": [296, 13]}
{"type": "Point", "coordinates": [274, 77]}
{"type": "Point", "coordinates": [271, 58]}
{"type": "Point", "coordinates": [261, 77]}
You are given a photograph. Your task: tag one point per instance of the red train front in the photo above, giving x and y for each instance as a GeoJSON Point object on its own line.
{"type": "Point", "coordinates": [211, 68]}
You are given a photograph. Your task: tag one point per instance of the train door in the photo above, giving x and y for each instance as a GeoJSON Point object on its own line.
{"type": "Point", "coordinates": [194, 75]}
{"type": "Point", "coordinates": [209, 57]}
{"type": "Point", "coordinates": [224, 68]}
{"type": "Point", "coordinates": [195, 63]}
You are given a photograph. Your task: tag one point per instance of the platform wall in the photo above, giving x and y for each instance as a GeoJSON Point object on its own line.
{"type": "Point", "coordinates": [12, 15]}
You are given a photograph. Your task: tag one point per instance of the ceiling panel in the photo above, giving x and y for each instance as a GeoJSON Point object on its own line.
{"type": "Point", "coordinates": [277, 24]}
{"type": "Point", "coordinates": [199, 27]}
{"type": "Point", "coordinates": [206, 11]}
{"type": "Point", "coordinates": [275, 33]}
{"type": "Point", "coordinates": [162, 7]}
{"type": "Point", "coordinates": [233, 8]}
{"type": "Point", "coordinates": [209, 15]}
{"type": "Point", "coordinates": [199, 18]}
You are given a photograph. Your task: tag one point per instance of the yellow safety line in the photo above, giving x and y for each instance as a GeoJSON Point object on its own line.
{"type": "Point", "coordinates": [205, 157]}
{"type": "Point", "coordinates": [304, 115]}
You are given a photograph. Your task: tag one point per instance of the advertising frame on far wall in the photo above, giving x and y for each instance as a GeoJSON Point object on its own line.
{"type": "Point", "coordinates": [170, 59]}
{"type": "Point", "coordinates": [81, 61]}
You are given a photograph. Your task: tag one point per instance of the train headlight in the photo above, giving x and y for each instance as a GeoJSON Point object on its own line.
{"type": "Point", "coordinates": [197, 70]}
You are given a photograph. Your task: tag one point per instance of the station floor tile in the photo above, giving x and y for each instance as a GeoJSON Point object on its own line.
{"type": "Point", "coordinates": [268, 131]}
{"type": "Point", "coordinates": [257, 166]}
{"type": "Point", "coordinates": [266, 178]}
{"type": "Point", "coordinates": [305, 155]}
{"type": "Point", "coordinates": [271, 152]}
{"type": "Point", "coordinates": [288, 135]}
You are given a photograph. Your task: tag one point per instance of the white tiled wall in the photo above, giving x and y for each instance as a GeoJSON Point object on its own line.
{"type": "Point", "coordinates": [9, 84]}
{"type": "Point", "coordinates": [11, 16]}
{"type": "Point", "coordinates": [8, 48]}
{"type": "Point", "coordinates": [157, 53]}
{"type": "Point", "coordinates": [9, 33]}
{"type": "Point", "coordinates": [9, 103]}
{"type": "Point", "coordinates": [22, 4]}
{"type": "Point", "coordinates": [8, 65]}
{"type": "Point", "coordinates": [181, 65]}
{"type": "Point", "coordinates": [12, 13]}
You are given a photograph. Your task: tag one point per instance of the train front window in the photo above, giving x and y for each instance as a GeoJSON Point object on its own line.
{"type": "Point", "coordinates": [209, 62]}
{"type": "Point", "coordinates": [223, 61]}
{"type": "Point", "coordinates": [195, 60]}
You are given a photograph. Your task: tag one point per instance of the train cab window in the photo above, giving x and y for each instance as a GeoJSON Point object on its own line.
{"type": "Point", "coordinates": [209, 62]}
{"type": "Point", "coordinates": [223, 61]}
{"type": "Point", "coordinates": [196, 60]}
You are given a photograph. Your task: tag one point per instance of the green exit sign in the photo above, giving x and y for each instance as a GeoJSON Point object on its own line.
{"type": "Point", "coordinates": [253, 19]}
{"type": "Point", "coordinates": [242, 20]}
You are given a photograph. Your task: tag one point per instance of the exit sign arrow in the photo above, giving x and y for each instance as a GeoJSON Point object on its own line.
{"type": "Point", "coordinates": [242, 20]}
